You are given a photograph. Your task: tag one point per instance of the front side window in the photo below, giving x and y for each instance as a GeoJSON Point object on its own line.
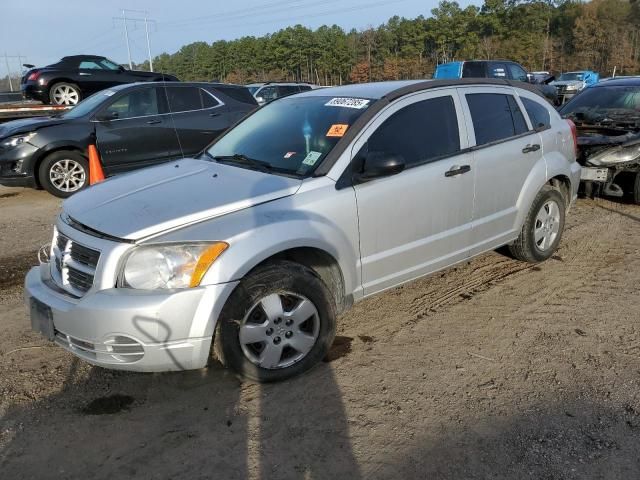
{"type": "Point", "coordinates": [538, 114]}
{"type": "Point", "coordinates": [517, 72]}
{"type": "Point", "coordinates": [473, 70]}
{"type": "Point", "coordinates": [292, 135]}
{"type": "Point", "coordinates": [89, 65]}
{"type": "Point", "coordinates": [187, 99]}
{"type": "Point", "coordinates": [139, 103]}
{"type": "Point", "coordinates": [495, 117]}
{"type": "Point", "coordinates": [268, 94]}
{"type": "Point", "coordinates": [420, 132]}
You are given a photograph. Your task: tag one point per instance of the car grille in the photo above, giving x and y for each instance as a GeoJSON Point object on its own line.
{"type": "Point", "coordinates": [74, 265]}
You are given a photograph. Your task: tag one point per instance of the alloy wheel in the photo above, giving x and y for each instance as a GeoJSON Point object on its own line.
{"type": "Point", "coordinates": [279, 330]}
{"type": "Point", "coordinates": [67, 175]}
{"type": "Point", "coordinates": [547, 225]}
{"type": "Point", "coordinates": [65, 95]}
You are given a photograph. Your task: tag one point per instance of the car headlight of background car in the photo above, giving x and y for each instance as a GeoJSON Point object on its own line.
{"type": "Point", "coordinates": [615, 156]}
{"type": "Point", "coordinates": [572, 87]}
{"type": "Point", "coordinates": [170, 266]}
{"type": "Point", "coordinates": [17, 140]}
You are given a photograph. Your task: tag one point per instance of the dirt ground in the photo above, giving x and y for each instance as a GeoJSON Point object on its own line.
{"type": "Point", "coordinates": [494, 369]}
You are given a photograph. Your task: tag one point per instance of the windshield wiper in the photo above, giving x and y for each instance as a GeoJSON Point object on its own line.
{"type": "Point", "coordinates": [243, 159]}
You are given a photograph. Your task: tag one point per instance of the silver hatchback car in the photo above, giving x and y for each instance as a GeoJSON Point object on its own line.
{"type": "Point", "coordinates": [310, 204]}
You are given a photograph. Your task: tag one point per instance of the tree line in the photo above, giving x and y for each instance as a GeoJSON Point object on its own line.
{"type": "Point", "coordinates": [542, 35]}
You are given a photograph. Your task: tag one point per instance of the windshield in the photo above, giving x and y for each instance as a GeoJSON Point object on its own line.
{"type": "Point", "coordinates": [604, 100]}
{"type": "Point", "coordinates": [88, 105]}
{"type": "Point", "coordinates": [291, 135]}
{"type": "Point", "coordinates": [571, 76]}
{"type": "Point", "coordinates": [109, 65]}
{"type": "Point", "coordinates": [253, 90]}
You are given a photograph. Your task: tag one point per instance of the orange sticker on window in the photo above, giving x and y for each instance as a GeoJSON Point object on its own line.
{"type": "Point", "coordinates": [337, 130]}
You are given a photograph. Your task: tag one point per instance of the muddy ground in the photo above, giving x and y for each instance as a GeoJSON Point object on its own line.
{"type": "Point", "coordinates": [494, 369]}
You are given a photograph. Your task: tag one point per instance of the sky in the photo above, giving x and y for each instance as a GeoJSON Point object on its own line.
{"type": "Point", "coordinates": [43, 31]}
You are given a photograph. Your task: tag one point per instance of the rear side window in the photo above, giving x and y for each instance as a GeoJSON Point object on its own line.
{"type": "Point", "coordinates": [185, 99]}
{"type": "Point", "coordinates": [284, 90]}
{"type": "Point", "coordinates": [497, 70]}
{"type": "Point", "coordinates": [495, 117]}
{"type": "Point", "coordinates": [239, 94]}
{"type": "Point", "coordinates": [473, 70]}
{"type": "Point", "coordinates": [538, 114]}
{"type": "Point", "coordinates": [419, 132]}
{"type": "Point", "coordinates": [304, 88]}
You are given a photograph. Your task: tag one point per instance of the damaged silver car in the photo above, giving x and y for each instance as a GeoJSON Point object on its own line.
{"type": "Point", "coordinates": [607, 118]}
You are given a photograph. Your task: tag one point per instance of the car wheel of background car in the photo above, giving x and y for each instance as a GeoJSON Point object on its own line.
{"type": "Point", "coordinates": [65, 94]}
{"type": "Point", "coordinates": [542, 229]}
{"type": "Point", "coordinates": [279, 322]}
{"type": "Point", "coordinates": [636, 189]}
{"type": "Point", "coordinates": [64, 173]}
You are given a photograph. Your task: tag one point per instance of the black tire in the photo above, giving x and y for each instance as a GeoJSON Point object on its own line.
{"type": "Point", "coordinates": [44, 172]}
{"type": "Point", "coordinates": [525, 247]}
{"type": "Point", "coordinates": [55, 86]}
{"type": "Point", "coordinates": [636, 189]}
{"type": "Point", "coordinates": [274, 278]}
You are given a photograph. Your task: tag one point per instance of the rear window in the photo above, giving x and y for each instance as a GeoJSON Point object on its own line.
{"type": "Point", "coordinates": [494, 117]}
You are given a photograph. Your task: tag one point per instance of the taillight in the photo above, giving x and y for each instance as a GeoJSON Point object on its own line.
{"type": "Point", "coordinates": [574, 134]}
{"type": "Point", "coordinates": [33, 76]}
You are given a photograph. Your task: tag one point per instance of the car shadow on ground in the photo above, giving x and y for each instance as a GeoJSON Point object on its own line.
{"type": "Point", "coordinates": [194, 424]}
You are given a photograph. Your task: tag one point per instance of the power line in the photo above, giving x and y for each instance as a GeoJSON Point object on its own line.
{"type": "Point", "coordinates": [146, 22]}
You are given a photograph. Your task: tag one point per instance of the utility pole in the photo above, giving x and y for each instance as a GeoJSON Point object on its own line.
{"type": "Point", "coordinates": [126, 38]}
{"type": "Point", "coordinates": [146, 20]}
{"type": "Point", "coordinates": [6, 61]}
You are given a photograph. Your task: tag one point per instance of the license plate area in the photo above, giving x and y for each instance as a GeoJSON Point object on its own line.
{"type": "Point", "coordinates": [594, 174]}
{"type": "Point", "coordinates": [41, 318]}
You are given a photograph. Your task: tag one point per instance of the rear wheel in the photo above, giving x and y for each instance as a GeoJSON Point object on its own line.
{"type": "Point", "coordinates": [64, 173]}
{"type": "Point", "coordinates": [542, 229]}
{"type": "Point", "coordinates": [63, 93]}
{"type": "Point", "coordinates": [278, 322]}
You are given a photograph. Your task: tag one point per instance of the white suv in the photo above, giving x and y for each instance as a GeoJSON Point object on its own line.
{"type": "Point", "coordinates": [311, 203]}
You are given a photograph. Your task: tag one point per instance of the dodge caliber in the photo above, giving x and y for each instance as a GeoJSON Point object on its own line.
{"type": "Point", "coordinates": [249, 252]}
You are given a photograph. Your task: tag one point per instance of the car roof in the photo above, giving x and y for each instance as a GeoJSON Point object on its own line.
{"type": "Point", "coordinates": [394, 89]}
{"type": "Point", "coordinates": [619, 82]}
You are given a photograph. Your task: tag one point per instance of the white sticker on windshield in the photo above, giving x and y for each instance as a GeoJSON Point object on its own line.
{"type": "Point", "coordinates": [311, 158]}
{"type": "Point", "coordinates": [108, 93]}
{"type": "Point", "coordinates": [348, 102]}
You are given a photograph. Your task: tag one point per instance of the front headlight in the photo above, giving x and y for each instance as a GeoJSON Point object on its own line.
{"type": "Point", "coordinates": [170, 266]}
{"type": "Point", "coordinates": [616, 155]}
{"type": "Point", "coordinates": [18, 140]}
{"type": "Point", "coordinates": [571, 88]}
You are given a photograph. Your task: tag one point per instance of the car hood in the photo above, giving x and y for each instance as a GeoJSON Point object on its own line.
{"type": "Point", "coordinates": [26, 125]}
{"type": "Point", "coordinates": [564, 83]}
{"type": "Point", "coordinates": [154, 200]}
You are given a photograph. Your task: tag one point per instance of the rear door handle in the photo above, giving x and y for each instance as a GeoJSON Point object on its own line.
{"type": "Point", "coordinates": [215, 114]}
{"type": "Point", "coordinates": [154, 122]}
{"type": "Point", "coordinates": [457, 170]}
{"type": "Point", "coordinates": [531, 148]}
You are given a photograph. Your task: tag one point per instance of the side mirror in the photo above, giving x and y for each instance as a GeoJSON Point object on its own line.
{"type": "Point", "coordinates": [380, 164]}
{"type": "Point", "coordinates": [260, 100]}
{"type": "Point", "coordinates": [121, 68]}
{"type": "Point", "coordinates": [106, 117]}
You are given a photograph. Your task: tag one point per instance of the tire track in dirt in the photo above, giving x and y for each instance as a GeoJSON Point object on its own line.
{"type": "Point", "coordinates": [586, 248]}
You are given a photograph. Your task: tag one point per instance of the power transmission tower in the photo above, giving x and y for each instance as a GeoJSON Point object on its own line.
{"type": "Point", "coordinates": [146, 20]}
{"type": "Point", "coordinates": [6, 62]}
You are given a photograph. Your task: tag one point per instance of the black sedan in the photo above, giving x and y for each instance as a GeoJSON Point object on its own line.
{"type": "Point", "coordinates": [132, 125]}
{"type": "Point", "coordinates": [76, 77]}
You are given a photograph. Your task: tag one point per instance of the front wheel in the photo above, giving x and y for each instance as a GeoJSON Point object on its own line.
{"type": "Point", "coordinates": [64, 173]}
{"type": "Point", "coordinates": [279, 322]}
{"type": "Point", "coordinates": [542, 229]}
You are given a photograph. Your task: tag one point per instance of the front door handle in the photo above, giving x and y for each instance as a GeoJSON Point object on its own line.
{"type": "Point", "coordinates": [531, 148]}
{"type": "Point", "coordinates": [214, 114]}
{"type": "Point", "coordinates": [457, 170]}
{"type": "Point", "coordinates": [154, 122]}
